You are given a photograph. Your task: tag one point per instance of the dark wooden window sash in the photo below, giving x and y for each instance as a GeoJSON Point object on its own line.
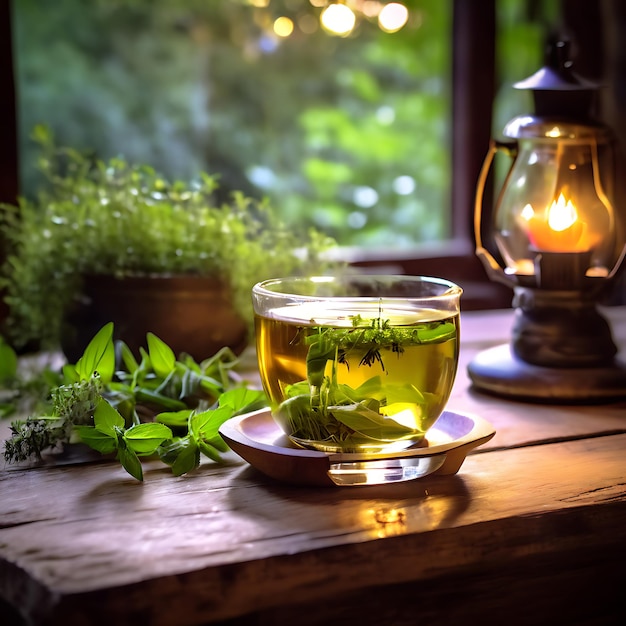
{"type": "Point", "coordinates": [8, 125]}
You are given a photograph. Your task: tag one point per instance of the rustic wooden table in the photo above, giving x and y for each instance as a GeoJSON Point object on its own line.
{"type": "Point", "coordinates": [531, 530]}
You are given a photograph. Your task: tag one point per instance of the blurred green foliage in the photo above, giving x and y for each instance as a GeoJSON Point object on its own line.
{"type": "Point", "coordinates": [351, 135]}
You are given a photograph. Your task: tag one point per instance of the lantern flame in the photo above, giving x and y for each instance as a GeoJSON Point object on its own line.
{"type": "Point", "coordinates": [562, 214]}
{"type": "Point", "coordinates": [562, 231]}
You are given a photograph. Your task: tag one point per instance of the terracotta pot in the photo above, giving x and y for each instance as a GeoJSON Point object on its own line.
{"type": "Point", "coordinates": [191, 314]}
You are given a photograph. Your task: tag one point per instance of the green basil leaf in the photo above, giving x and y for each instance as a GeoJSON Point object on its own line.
{"type": "Point", "coordinates": [243, 400]}
{"type": "Point", "coordinates": [130, 462]}
{"type": "Point", "coordinates": [106, 418]}
{"type": "Point", "coordinates": [162, 356]}
{"type": "Point", "coordinates": [296, 408]}
{"type": "Point", "coordinates": [182, 455]}
{"type": "Point", "coordinates": [144, 439]}
{"type": "Point", "coordinates": [170, 449]}
{"type": "Point", "coordinates": [362, 419]}
{"type": "Point", "coordinates": [370, 389]}
{"type": "Point", "coordinates": [128, 358]}
{"type": "Point", "coordinates": [205, 425]}
{"type": "Point", "coordinates": [70, 375]}
{"type": "Point", "coordinates": [176, 419]}
{"type": "Point", "coordinates": [404, 393]}
{"type": "Point", "coordinates": [96, 439]}
{"type": "Point", "coordinates": [99, 356]}
{"type": "Point", "coordinates": [297, 389]}
{"type": "Point", "coordinates": [149, 430]}
{"type": "Point", "coordinates": [441, 332]}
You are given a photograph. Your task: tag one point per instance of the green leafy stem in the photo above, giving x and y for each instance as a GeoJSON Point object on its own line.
{"type": "Point", "coordinates": [161, 405]}
{"type": "Point", "coordinates": [322, 409]}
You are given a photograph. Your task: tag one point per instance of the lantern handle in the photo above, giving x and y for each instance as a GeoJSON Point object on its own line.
{"type": "Point", "coordinates": [617, 268]}
{"type": "Point", "coordinates": [493, 268]}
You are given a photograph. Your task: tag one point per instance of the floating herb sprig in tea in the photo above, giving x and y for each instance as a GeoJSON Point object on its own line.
{"type": "Point", "coordinates": [382, 407]}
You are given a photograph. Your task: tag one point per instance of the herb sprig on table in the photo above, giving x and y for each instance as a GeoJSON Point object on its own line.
{"type": "Point", "coordinates": [159, 405]}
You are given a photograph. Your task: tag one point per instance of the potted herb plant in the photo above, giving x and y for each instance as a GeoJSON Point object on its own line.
{"type": "Point", "coordinates": [111, 241]}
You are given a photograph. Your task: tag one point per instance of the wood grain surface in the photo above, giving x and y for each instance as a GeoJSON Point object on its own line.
{"type": "Point", "coordinates": [533, 518]}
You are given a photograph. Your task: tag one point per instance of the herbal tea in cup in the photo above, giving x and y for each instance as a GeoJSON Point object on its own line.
{"type": "Point", "coordinates": [357, 363]}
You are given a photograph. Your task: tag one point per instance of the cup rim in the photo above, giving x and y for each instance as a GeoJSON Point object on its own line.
{"type": "Point", "coordinates": [452, 289]}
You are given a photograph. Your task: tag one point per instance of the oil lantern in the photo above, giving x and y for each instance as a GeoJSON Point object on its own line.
{"type": "Point", "coordinates": [556, 238]}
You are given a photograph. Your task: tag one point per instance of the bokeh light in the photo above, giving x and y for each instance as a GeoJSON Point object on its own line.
{"type": "Point", "coordinates": [283, 26]}
{"type": "Point", "coordinates": [371, 8]}
{"type": "Point", "coordinates": [393, 17]}
{"type": "Point", "coordinates": [365, 196]}
{"type": "Point", "coordinates": [338, 19]}
{"type": "Point", "coordinates": [404, 185]}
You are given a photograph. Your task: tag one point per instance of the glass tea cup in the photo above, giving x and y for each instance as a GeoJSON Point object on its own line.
{"type": "Point", "coordinates": [357, 363]}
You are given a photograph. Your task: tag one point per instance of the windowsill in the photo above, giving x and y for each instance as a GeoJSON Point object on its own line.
{"type": "Point", "coordinates": [449, 248]}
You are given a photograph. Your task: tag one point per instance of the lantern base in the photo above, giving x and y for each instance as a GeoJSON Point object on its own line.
{"type": "Point", "coordinates": [498, 371]}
